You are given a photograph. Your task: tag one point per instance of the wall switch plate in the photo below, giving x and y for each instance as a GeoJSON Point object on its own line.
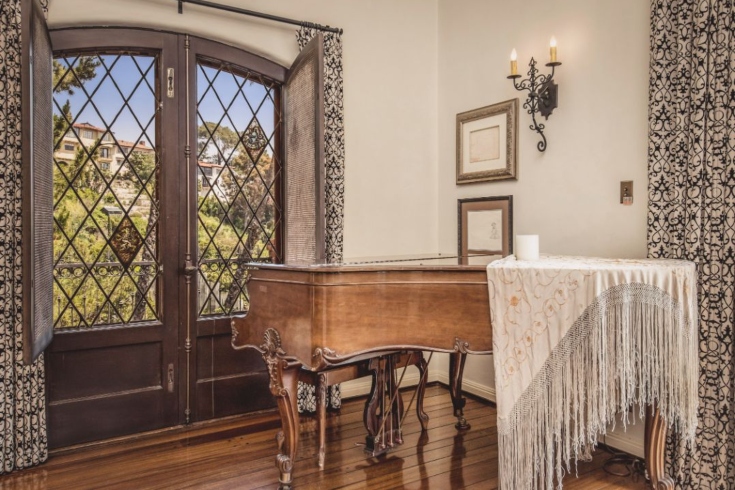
{"type": "Point", "coordinates": [626, 192]}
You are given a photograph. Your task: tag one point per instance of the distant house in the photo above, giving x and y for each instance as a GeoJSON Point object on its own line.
{"type": "Point", "coordinates": [208, 176]}
{"type": "Point", "coordinates": [110, 154]}
{"type": "Point", "coordinates": [110, 157]}
{"type": "Point", "coordinates": [86, 134]}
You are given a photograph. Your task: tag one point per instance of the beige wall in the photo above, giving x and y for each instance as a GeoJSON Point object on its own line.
{"type": "Point", "coordinates": [568, 195]}
{"type": "Point", "coordinates": [390, 75]}
{"type": "Point", "coordinates": [411, 66]}
{"type": "Point", "coordinates": [597, 137]}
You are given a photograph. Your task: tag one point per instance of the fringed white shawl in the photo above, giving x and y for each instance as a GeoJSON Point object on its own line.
{"type": "Point", "coordinates": [578, 340]}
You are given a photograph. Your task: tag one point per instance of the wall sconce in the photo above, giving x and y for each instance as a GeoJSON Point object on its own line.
{"type": "Point", "coordinates": [542, 91]}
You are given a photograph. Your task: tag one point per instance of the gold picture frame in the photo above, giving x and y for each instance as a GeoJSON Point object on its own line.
{"type": "Point", "coordinates": [487, 143]}
{"type": "Point", "coordinates": [484, 228]}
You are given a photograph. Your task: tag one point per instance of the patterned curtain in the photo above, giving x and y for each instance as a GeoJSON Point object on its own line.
{"type": "Point", "coordinates": [691, 159]}
{"type": "Point", "coordinates": [334, 146]}
{"type": "Point", "coordinates": [23, 440]}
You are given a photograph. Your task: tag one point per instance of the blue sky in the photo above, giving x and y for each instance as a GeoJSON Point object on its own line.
{"type": "Point", "coordinates": [124, 73]}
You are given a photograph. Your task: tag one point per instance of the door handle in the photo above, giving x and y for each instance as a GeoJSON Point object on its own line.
{"type": "Point", "coordinates": [171, 378]}
{"type": "Point", "coordinates": [189, 268]}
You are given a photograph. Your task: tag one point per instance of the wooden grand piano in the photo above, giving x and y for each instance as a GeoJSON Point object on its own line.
{"type": "Point", "coordinates": [316, 318]}
{"type": "Point", "coordinates": [320, 317]}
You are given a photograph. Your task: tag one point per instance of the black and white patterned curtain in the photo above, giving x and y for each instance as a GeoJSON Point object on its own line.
{"type": "Point", "coordinates": [334, 138]}
{"type": "Point", "coordinates": [691, 214]}
{"type": "Point", "coordinates": [23, 439]}
{"type": "Point", "coordinates": [334, 149]}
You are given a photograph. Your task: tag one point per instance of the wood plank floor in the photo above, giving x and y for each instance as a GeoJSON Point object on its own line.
{"type": "Point", "coordinates": [238, 453]}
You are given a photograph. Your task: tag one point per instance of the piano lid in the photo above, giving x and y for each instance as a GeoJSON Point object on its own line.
{"type": "Point", "coordinates": [394, 262]}
{"type": "Point", "coordinates": [425, 259]}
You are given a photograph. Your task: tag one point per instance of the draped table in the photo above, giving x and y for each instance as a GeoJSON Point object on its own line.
{"type": "Point", "coordinates": [577, 341]}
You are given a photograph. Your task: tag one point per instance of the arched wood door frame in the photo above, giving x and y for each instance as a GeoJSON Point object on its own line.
{"type": "Point", "coordinates": [82, 398]}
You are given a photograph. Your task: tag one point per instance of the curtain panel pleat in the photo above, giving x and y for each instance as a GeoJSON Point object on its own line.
{"type": "Point", "coordinates": [691, 214]}
{"type": "Point", "coordinates": [23, 439]}
{"type": "Point", "coordinates": [334, 150]}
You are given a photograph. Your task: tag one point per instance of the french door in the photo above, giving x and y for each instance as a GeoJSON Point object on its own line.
{"type": "Point", "coordinates": [167, 166]}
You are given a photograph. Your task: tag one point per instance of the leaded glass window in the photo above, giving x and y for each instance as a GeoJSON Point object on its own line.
{"type": "Point", "coordinates": [106, 264]}
{"type": "Point", "coordinates": [238, 169]}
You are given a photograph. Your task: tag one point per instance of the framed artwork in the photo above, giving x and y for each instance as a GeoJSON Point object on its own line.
{"type": "Point", "coordinates": [487, 143]}
{"type": "Point", "coordinates": [485, 228]}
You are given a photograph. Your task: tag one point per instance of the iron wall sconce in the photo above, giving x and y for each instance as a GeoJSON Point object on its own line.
{"type": "Point", "coordinates": [542, 90]}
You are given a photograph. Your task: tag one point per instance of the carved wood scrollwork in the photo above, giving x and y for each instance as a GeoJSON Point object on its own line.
{"type": "Point", "coordinates": [321, 356]}
{"type": "Point", "coordinates": [461, 346]}
{"type": "Point", "coordinates": [271, 349]}
{"type": "Point", "coordinates": [283, 462]}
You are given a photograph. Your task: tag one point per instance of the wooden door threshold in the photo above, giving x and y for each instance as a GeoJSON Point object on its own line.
{"type": "Point", "coordinates": [237, 424]}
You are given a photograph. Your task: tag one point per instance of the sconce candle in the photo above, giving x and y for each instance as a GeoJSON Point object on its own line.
{"type": "Point", "coordinates": [542, 91]}
{"type": "Point", "coordinates": [552, 49]}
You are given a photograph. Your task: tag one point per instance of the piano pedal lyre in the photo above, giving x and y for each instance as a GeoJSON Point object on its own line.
{"type": "Point", "coordinates": [392, 414]}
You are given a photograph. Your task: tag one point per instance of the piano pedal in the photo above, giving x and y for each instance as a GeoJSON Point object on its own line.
{"type": "Point", "coordinates": [375, 447]}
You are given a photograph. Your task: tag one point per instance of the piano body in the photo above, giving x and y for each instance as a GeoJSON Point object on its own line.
{"type": "Point", "coordinates": [319, 317]}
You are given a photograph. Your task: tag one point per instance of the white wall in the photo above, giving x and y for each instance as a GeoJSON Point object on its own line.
{"type": "Point", "coordinates": [390, 80]}
{"type": "Point", "coordinates": [597, 137]}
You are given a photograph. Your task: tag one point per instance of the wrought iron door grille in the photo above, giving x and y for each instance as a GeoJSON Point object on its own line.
{"type": "Point", "coordinates": [238, 170]}
{"type": "Point", "coordinates": [106, 173]}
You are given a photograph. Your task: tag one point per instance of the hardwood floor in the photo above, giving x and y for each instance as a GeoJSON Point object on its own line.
{"type": "Point", "coordinates": [239, 454]}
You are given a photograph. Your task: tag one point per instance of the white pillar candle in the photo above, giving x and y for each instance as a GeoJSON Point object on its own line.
{"type": "Point", "coordinates": [526, 247]}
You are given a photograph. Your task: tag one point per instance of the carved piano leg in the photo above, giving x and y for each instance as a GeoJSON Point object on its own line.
{"type": "Point", "coordinates": [284, 378]}
{"type": "Point", "coordinates": [321, 410]}
{"type": "Point", "coordinates": [456, 367]}
{"type": "Point", "coordinates": [422, 366]}
{"type": "Point", "coordinates": [372, 404]}
{"type": "Point", "coordinates": [654, 449]}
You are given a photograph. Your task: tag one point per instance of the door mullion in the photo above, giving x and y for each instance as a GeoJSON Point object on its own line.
{"type": "Point", "coordinates": [170, 223]}
{"type": "Point", "coordinates": [189, 264]}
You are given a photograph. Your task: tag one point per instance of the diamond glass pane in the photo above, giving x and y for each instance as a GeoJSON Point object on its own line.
{"type": "Point", "coordinates": [237, 168]}
{"type": "Point", "coordinates": [106, 166]}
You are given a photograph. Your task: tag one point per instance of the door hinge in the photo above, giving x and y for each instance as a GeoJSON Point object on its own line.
{"type": "Point", "coordinates": [171, 378]}
{"type": "Point", "coordinates": [170, 83]}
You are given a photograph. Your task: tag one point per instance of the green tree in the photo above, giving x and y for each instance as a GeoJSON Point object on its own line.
{"type": "Point", "coordinates": [66, 79]}
{"type": "Point", "coordinates": [215, 143]}
{"type": "Point", "coordinates": [241, 190]}
{"type": "Point", "coordinates": [142, 173]}
{"type": "Point", "coordinates": [252, 217]}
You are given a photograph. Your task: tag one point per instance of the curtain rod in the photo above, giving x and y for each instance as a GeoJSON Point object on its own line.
{"type": "Point", "coordinates": [261, 15]}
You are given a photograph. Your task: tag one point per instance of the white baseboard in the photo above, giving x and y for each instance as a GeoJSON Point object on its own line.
{"type": "Point", "coordinates": [483, 391]}
{"type": "Point", "coordinates": [626, 441]}
{"type": "Point", "coordinates": [361, 386]}
{"type": "Point", "coordinates": [629, 441]}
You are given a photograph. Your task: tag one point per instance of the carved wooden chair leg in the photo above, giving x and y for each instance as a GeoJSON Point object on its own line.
{"type": "Point", "coordinates": [422, 366]}
{"type": "Point", "coordinates": [456, 368]}
{"type": "Point", "coordinates": [321, 410]}
{"type": "Point", "coordinates": [654, 449]}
